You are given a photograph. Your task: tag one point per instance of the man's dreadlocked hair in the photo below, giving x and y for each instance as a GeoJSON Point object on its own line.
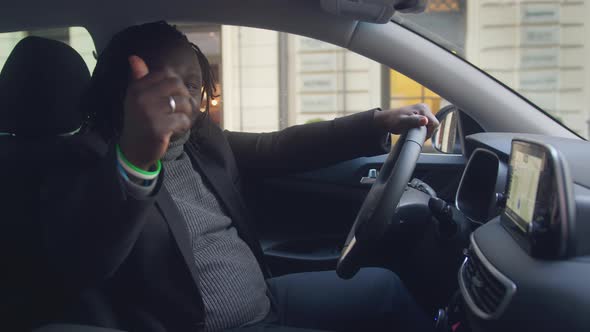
{"type": "Point", "coordinates": [105, 97]}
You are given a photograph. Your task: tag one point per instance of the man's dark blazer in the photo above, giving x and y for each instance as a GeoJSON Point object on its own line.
{"type": "Point", "coordinates": [138, 250]}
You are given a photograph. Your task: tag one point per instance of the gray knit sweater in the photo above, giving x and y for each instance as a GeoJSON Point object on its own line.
{"type": "Point", "coordinates": [231, 282]}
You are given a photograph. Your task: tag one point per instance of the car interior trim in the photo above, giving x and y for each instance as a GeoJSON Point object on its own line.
{"type": "Point", "coordinates": [469, 167]}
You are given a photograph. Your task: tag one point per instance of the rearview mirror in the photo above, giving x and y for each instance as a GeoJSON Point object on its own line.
{"type": "Point", "coordinates": [411, 6]}
{"type": "Point", "coordinates": [444, 139]}
{"type": "Point", "coordinates": [374, 11]}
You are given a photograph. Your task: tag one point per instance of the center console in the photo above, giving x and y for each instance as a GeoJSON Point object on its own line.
{"type": "Point", "coordinates": [527, 263]}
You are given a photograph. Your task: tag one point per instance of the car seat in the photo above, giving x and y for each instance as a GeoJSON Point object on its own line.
{"type": "Point", "coordinates": [41, 85]}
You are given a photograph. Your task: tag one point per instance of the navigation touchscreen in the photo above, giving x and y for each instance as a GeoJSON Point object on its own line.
{"type": "Point", "coordinates": [539, 207]}
{"type": "Point", "coordinates": [527, 165]}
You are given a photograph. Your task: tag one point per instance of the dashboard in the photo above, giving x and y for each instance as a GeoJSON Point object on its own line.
{"type": "Point", "coordinates": [528, 264]}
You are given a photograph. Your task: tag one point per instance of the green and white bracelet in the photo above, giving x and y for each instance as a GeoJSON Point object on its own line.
{"type": "Point", "coordinates": [136, 171]}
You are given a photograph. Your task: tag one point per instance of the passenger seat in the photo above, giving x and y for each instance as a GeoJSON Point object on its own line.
{"type": "Point", "coordinates": [41, 86]}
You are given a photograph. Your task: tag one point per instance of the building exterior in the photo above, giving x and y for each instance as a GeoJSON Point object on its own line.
{"type": "Point", "coordinates": [278, 80]}
{"type": "Point", "coordinates": [540, 49]}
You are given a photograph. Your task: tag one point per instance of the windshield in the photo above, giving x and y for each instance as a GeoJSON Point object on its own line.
{"type": "Point", "coordinates": [535, 48]}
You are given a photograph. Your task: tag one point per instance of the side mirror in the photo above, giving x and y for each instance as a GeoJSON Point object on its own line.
{"type": "Point", "coordinates": [445, 137]}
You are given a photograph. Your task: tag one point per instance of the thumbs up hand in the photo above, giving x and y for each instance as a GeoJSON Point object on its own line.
{"type": "Point", "coordinates": [157, 106]}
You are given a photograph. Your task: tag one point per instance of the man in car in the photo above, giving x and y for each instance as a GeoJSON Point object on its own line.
{"type": "Point", "coordinates": [161, 225]}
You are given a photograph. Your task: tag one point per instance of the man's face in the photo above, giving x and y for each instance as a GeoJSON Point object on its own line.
{"type": "Point", "coordinates": [183, 60]}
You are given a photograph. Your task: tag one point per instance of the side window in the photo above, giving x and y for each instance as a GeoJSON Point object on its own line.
{"type": "Point", "coordinates": [271, 80]}
{"type": "Point", "coordinates": [77, 37]}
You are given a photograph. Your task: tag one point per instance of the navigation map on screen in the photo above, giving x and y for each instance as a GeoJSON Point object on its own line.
{"type": "Point", "coordinates": [524, 183]}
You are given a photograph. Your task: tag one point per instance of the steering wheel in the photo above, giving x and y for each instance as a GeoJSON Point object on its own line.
{"type": "Point", "coordinates": [378, 212]}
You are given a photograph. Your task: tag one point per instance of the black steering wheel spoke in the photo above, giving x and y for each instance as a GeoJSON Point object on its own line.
{"type": "Point", "coordinates": [377, 214]}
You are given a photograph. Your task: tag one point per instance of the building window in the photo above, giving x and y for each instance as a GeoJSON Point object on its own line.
{"type": "Point", "coordinates": [270, 80]}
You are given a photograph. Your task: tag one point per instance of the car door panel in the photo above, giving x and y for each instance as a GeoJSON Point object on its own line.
{"type": "Point", "coordinates": [303, 219]}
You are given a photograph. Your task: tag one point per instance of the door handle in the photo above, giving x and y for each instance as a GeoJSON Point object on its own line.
{"type": "Point", "coordinates": [371, 177]}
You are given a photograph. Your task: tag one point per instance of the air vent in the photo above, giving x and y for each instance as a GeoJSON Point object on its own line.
{"type": "Point", "coordinates": [485, 290]}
